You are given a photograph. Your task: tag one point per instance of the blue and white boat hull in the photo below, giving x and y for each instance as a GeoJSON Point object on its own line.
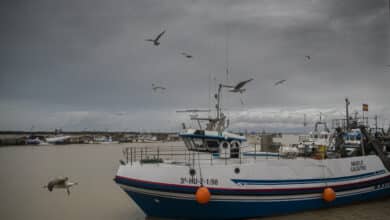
{"type": "Point", "coordinates": [168, 191]}
{"type": "Point", "coordinates": [176, 208]}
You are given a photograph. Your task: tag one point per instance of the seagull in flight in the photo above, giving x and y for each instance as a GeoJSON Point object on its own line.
{"type": "Point", "coordinates": [156, 41]}
{"type": "Point", "coordinates": [189, 56]}
{"type": "Point", "coordinates": [155, 88]}
{"type": "Point", "coordinates": [279, 82]}
{"type": "Point", "coordinates": [60, 182]}
{"type": "Point", "coordinates": [239, 87]}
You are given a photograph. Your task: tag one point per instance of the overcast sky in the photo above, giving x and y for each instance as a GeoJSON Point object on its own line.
{"type": "Point", "coordinates": [85, 64]}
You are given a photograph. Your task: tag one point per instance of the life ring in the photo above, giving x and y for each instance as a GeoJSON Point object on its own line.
{"type": "Point", "coordinates": [224, 145]}
{"type": "Point", "coordinates": [224, 149]}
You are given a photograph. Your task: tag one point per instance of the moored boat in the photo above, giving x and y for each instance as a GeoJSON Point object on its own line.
{"type": "Point", "coordinates": [213, 178]}
{"type": "Point", "coordinates": [251, 189]}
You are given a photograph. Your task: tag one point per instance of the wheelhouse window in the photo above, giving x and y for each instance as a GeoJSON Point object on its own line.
{"type": "Point", "coordinates": [197, 142]}
{"type": "Point", "coordinates": [212, 144]}
{"type": "Point", "coordinates": [199, 132]}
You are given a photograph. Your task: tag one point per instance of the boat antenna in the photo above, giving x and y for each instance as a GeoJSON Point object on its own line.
{"type": "Point", "coordinates": [376, 123]}
{"type": "Point", "coordinates": [209, 104]}
{"type": "Point", "coordinates": [347, 112]}
{"type": "Point", "coordinates": [226, 44]}
{"type": "Point", "coordinates": [218, 100]}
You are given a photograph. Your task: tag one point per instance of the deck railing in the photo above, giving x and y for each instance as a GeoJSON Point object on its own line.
{"type": "Point", "coordinates": [171, 154]}
{"type": "Point", "coordinates": [181, 155]}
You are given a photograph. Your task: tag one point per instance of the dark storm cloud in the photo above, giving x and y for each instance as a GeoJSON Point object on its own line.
{"type": "Point", "coordinates": [84, 60]}
{"type": "Point", "coordinates": [55, 50]}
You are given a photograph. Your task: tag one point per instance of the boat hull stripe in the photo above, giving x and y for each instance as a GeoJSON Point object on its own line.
{"type": "Point", "coordinates": [233, 191]}
{"type": "Point", "coordinates": [305, 181]}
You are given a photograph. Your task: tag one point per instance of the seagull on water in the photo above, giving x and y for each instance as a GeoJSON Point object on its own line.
{"type": "Point", "coordinates": [156, 41]}
{"type": "Point", "coordinates": [60, 182]}
{"type": "Point", "coordinates": [308, 57]}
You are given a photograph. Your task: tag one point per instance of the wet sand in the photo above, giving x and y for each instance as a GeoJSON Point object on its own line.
{"type": "Point", "coordinates": [24, 170]}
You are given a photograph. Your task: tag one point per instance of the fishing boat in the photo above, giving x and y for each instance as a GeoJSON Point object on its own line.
{"type": "Point", "coordinates": [104, 140]}
{"type": "Point", "coordinates": [58, 139]}
{"type": "Point", "coordinates": [33, 140]}
{"type": "Point", "coordinates": [317, 139]}
{"type": "Point", "coordinates": [198, 183]}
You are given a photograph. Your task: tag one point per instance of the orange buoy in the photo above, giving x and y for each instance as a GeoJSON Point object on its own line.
{"type": "Point", "coordinates": [202, 195]}
{"type": "Point", "coordinates": [328, 195]}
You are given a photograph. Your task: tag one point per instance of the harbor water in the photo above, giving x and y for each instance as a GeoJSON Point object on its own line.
{"type": "Point", "coordinates": [25, 170]}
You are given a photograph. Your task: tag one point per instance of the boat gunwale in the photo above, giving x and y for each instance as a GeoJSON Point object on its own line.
{"type": "Point", "coordinates": [146, 184]}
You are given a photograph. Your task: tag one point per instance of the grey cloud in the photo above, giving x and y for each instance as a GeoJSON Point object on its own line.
{"type": "Point", "coordinates": [90, 56]}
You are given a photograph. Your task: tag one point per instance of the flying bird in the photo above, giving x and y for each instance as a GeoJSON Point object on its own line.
{"type": "Point", "coordinates": [156, 41]}
{"type": "Point", "coordinates": [279, 82]}
{"type": "Point", "coordinates": [189, 56]}
{"type": "Point", "coordinates": [308, 57]}
{"type": "Point", "coordinates": [239, 87]}
{"type": "Point", "coordinates": [155, 88]}
{"type": "Point", "coordinates": [60, 182]}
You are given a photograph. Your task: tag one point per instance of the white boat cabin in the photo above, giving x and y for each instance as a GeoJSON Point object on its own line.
{"type": "Point", "coordinates": [225, 143]}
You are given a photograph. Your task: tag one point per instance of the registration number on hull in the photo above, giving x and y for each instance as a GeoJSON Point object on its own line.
{"type": "Point", "coordinates": [382, 186]}
{"type": "Point", "coordinates": [194, 180]}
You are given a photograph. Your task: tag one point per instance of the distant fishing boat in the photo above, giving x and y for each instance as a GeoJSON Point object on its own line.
{"type": "Point", "coordinates": [196, 183]}
{"type": "Point", "coordinates": [104, 140]}
{"type": "Point", "coordinates": [318, 139]}
{"type": "Point", "coordinates": [146, 138]}
{"type": "Point", "coordinates": [58, 140]}
{"type": "Point", "coordinates": [32, 140]}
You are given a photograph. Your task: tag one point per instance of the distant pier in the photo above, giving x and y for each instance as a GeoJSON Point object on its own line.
{"type": "Point", "coordinates": [79, 137]}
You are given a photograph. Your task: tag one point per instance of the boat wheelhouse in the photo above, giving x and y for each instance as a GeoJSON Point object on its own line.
{"type": "Point", "coordinates": [211, 141]}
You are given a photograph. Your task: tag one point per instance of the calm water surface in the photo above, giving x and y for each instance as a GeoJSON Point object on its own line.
{"type": "Point", "coordinates": [24, 170]}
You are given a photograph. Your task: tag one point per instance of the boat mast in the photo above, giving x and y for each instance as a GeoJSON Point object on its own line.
{"type": "Point", "coordinates": [347, 112]}
{"type": "Point", "coordinates": [220, 116]}
{"type": "Point", "coordinates": [218, 106]}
